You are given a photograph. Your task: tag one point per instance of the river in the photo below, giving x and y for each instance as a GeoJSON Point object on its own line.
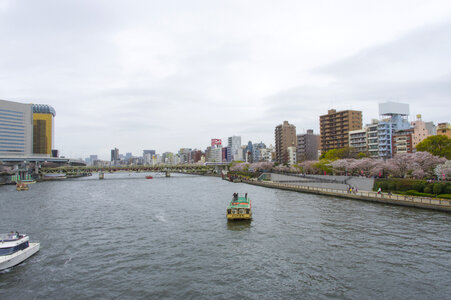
{"type": "Point", "coordinates": [127, 237]}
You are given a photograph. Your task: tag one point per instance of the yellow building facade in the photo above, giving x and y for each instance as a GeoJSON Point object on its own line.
{"type": "Point", "coordinates": [42, 133]}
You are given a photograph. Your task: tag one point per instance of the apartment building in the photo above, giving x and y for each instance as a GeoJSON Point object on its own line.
{"type": "Point", "coordinates": [335, 127]}
{"type": "Point", "coordinates": [285, 136]}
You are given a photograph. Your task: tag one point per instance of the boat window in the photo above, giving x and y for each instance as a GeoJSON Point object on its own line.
{"type": "Point", "coordinates": [6, 251]}
{"type": "Point", "coordinates": [11, 250]}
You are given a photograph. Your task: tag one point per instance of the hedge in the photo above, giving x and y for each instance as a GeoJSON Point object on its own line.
{"type": "Point", "coordinates": [411, 185]}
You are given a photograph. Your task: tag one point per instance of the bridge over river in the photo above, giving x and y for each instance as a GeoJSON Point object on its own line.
{"type": "Point", "coordinates": [183, 168]}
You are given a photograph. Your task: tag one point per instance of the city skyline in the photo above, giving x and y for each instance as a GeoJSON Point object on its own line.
{"type": "Point", "coordinates": [160, 76]}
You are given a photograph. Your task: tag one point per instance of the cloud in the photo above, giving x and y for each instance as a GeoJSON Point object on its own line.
{"type": "Point", "coordinates": [414, 69]}
{"type": "Point", "coordinates": [171, 74]}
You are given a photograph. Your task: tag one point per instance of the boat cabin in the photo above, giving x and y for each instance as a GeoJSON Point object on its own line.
{"type": "Point", "coordinates": [12, 242]}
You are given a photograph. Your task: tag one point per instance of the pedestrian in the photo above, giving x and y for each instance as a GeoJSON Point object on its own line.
{"type": "Point", "coordinates": [379, 190]}
{"type": "Point", "coordinates": [245, 195]}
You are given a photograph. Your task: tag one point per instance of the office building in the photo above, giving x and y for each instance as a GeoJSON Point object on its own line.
{"type": "Point", "coordinates": [114, 155]}
{"type": "Point", "coordinates": [308, 145]}
{"type": "Point", "coordinates": [16, 128]}
{"type": "Point", "coordinates": [256, 151]}
{"type": "Point", "coordinates": [285, 136]}
{"type": "Point", "coordinates": [43, 129]}
{"type": "Point", "coordinates": [151, 152]}
{"type": "Point", "coordinates": [234, 151]}
{"type": "Point", "coordinates": [185, 155]}
{"type": "Point", "coordinates": [335, 127]}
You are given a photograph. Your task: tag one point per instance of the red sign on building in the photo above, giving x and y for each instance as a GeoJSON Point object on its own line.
{"type": "Point", "coordinates": [216, 142]}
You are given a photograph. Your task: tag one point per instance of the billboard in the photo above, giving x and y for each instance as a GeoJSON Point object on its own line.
{"type": "Point", "coordinates": [393, 108]}
{"type": "Point", "coordinates": [216, 142]}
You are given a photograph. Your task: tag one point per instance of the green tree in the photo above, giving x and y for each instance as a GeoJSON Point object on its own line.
{"type": "Point", "coordinates": [334, 154]}
{"type": "Point", "coordinates": [437, 188]}
{"type": "Point", "coordinates": [439, 145]}
{"type": "Point", "coordinates": [361, 155]}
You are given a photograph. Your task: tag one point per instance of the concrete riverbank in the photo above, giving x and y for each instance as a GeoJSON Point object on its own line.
{"type": "Point", "coordinates": [402, 200]}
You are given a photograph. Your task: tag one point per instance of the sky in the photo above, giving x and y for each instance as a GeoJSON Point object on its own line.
{"type": "Point", "coordinates": [166, 75]}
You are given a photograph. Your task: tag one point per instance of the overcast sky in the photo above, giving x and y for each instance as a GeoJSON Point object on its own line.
{"type": "Point", "coordinates": [166, 75]}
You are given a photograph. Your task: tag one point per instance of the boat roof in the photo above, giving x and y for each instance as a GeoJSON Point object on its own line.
{"type": "Point", "coordinates": [9, 237]}
{"type": "Point", "coordinates": [240, 202]}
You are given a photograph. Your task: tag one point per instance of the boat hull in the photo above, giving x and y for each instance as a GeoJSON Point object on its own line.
{"type": "Point", "coordinates": [16, 258]}
{"type": "Point", "coordinates": [239, 216]}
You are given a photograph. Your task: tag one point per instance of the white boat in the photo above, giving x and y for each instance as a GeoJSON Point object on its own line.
{"type": "Point", "coordinates": [15, 248]}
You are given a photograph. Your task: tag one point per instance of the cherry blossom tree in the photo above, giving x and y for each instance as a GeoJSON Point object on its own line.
{"type": "Point", "coordinates": [364, 166]}
{"type": "Point", "coordinates": [261, 166]}
{"type": "Point", "coordinates": [281, 168]}
{"type": "Point", "coordinates": [427, 162]}
{"type": "Point", "coordinates": [444, 171]}
{"type": "Point", "coordinates": [6, 170]}
{"type": "Point", "coordinates": [308, 166]}
{"type": "Point", "coordinates": [340, 165]}
{"type": "Point", "coordinates": [239, 167]}
{"type": "Point", "coordinates": [402, 164]}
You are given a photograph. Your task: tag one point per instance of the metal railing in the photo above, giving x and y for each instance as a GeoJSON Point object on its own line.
{"type": "Point", "coordinates": [366, 194]}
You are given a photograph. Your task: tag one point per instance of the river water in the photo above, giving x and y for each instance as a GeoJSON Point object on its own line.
{"type": "Point", "coordinates": [126, 237]}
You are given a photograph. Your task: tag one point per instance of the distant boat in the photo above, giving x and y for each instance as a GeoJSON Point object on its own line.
{"type": "Point", "coordinates": [239, 208]}
{"type": "Point", "coordinates": [21, 186]}
{"type": "Point", "coordinates": [28, 181]}
{"type": "Point", "coordinates": [15, 248]}
{"type": "Point", "coordinates": [149, 177]}
{"type": "Point", "coordinates": [53, 176]}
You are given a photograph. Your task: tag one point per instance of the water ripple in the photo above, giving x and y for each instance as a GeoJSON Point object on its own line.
{"type": "Point", "coordinates": [126, 237]}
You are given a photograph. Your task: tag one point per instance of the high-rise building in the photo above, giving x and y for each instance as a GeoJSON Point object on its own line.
{"type": "Point", "coordinates": [151, 152]}
{"type": "Point", "coordinates": [215, 154]}
{"type": "Point", "coordinates": [43, 128]}
{"type": "Point", "coordinates": [16, 128]}
{"type": "Point", "coordinates": [185, 155]}
{"type": "Point", "coordinates": [249, 152]}
{"type": "Point", "coordinates": [307, 146]}
{"type": "Point", "coordinates": [234, 151]}
{"type": "Point", "coordinates": [256, 151]}
{"type": "Point", "coordinates": [335, 127]}
{"type": "Point", "coordinates": [114, 155]}
{"type": "Point", "coordinates": [224, 154]}
{"type": "Point", "coordinates": [394, 117]}
{"type": "Point", "coordinates": [285, 136]}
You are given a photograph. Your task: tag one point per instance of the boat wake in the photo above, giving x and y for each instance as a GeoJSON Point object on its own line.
{"type": "Point", "coordinates": [68, 261]}
{"type": "Point", "coordinates": [160, 217]}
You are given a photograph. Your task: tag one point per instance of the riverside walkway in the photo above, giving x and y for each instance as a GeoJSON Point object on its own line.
{"type": "Point", "coordinates": [403, 200]}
